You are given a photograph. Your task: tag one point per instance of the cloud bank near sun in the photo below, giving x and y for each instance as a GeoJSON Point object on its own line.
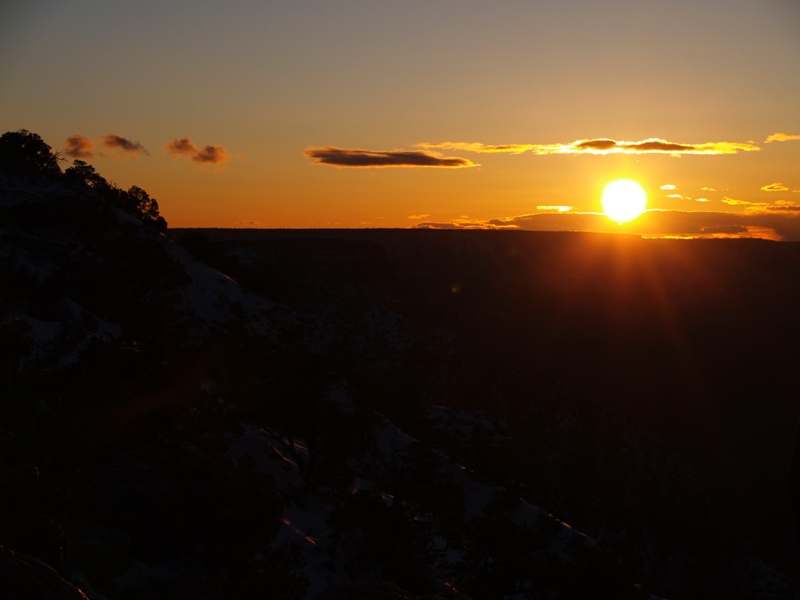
{"type": "Point", "coordinates": [776, 222]}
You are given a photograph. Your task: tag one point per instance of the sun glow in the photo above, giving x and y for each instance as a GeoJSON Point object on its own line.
{"type": "Point", "coordinates": [623, 200]}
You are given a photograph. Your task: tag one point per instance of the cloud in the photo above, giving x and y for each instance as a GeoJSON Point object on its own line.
{"type": "Point", "coordinates": [668, 186]}
{"type": "Point", "coordinates": [782, 137]}
{"type": "Point", "coordinates": [340, 157]}
{"type": "Point", "coordinates": [604, 146]}
{"type": "Point", "coordinates": [417, 217]}
{"type": "Point", "coordinates": [212, 155]}
{"type": "Point", "coordinates": [79, 146]}
{"type": "Point", "coordinates": [774, 187]}
{"type": "Point", "coordinates": [208, 155]}
{"type": "Point", "coordinates": [126, 146]}
{"type": "Point", "coordinates": [182, 146]}
{"type": "Point", "coordinates": [600, 145]}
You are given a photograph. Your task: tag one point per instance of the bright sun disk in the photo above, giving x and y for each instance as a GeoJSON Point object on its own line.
{"type": "Point", "coordinates": [623, 200]}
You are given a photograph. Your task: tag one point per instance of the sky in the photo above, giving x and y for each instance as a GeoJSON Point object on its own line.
{"type": "Point", "coordinates": [434, 113]}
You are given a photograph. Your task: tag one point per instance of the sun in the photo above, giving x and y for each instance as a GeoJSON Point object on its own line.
{"type": "Point", "coordinates": [623, 200]}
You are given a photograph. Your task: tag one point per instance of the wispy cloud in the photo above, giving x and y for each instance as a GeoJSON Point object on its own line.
{"type": "Point", "coordinates": [553, 208]}
{"type": "Point", "coordinates": [603, 146]}
{"type": "Point", "coordinates": [677, 196]}
{"type": "Point", "coordinates": [745, 203]}
{"type": "Point", "coordinates": [774, 187]}
{"type": "Point", "coordinates": [782, 137]}
{"type": "Point", "coordinates": [78, 146]}
{"type": "Point", "coordinates": [208, 155]}
{"type": "Point", "coordinates": [668, 186]}
{"type": "Point", "coordinates": [124, 145]}
{"type": "Point", "coordinates": [478, 147]}
{"type": "Point", "coordinates": [734, 201]}
{"type": "Point", "coordinates": [341, 157]}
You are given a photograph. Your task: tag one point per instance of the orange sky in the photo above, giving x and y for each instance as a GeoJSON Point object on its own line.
{"type": "Point", "coordinates": [454, 113]}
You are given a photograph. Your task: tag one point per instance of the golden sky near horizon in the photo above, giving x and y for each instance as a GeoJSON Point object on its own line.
{"type": "Point", "coordinates": [442, 113]}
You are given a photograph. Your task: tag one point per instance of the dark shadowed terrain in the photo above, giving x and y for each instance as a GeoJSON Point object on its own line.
{"type": "Point", "coordinates": [694, 341]}
{"type": "Point", "coordinates": [400, 415]}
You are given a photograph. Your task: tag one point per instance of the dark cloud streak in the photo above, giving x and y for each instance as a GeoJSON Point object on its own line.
{"type": "Point", "coordinates": [601, 144]}
{"type": "Point", "coordinates": [117, 142]}
{"type": "Point", "coordinates": [340, 157]}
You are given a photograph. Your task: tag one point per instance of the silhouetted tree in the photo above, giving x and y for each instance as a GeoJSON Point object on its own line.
{"type": "Point", "coordinates": [83, 172]}
{"type": "Point", "coordinates": [25, 153]}
{"type": "Point", "coordinates": [139, 203]}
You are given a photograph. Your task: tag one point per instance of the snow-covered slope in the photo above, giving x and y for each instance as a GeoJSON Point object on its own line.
{"type": "Point", "coordinates": [46, 252]}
